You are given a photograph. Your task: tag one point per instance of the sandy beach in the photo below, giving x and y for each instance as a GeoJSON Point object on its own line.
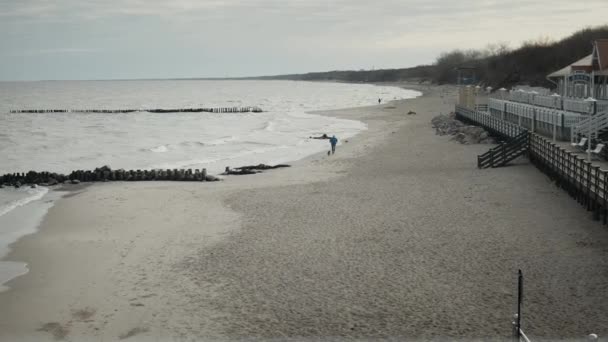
{"type": "Point", "coordinates": [396, 236]}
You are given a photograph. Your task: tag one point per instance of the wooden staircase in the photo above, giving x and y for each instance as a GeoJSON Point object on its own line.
{"type": "Point", "coordinates": [505, 152]}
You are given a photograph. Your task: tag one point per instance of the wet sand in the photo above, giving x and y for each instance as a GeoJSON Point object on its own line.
{"type": "Point", "coordinates": [398, 236]}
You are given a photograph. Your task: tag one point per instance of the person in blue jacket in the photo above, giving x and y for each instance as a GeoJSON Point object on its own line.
{"type": "Point", "coordinates": [333, 141]}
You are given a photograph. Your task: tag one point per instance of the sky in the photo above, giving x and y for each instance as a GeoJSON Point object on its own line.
{"type": "Point", "coordinates": [125, 39]}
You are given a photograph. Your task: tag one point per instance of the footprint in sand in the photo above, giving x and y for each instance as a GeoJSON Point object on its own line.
{"type": "Point", "coordinates": [84, 315]}
{"type": "Point", "coordinates": [58, 331]}
{"type": "Point", "coordinates": [133, 332]}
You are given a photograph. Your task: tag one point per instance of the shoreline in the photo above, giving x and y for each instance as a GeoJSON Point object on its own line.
{"type": "Point", "coordinates": [20, 249]}
{"type": "Point", "coordinates": [398, 234]}
{"type": "Point", "coordinates": [53, 195]}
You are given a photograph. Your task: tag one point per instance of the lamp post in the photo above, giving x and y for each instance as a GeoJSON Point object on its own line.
{"type": "Point", "coordinates": [556, 98]}
{"type": "Point", "coordinates": [503, 92]}
{"type": "Point", "coordinates": [591, 106]}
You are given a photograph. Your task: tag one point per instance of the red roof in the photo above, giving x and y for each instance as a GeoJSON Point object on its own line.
{"type": "Point", "coordinates": [601, 49]}
{"type": "Point", "coordinates": [600, 53]}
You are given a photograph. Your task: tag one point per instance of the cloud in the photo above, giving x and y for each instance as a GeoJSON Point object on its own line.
{"type": "Point", "coordinates": [51, 51]}
{"type": "Point", "coordinates": [180, 35]}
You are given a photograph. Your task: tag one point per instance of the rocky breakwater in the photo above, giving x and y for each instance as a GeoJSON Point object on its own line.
{"type": "Point", "coordinates": [104, 174]}
{"type": "Point", "coordinates": [464, 134]}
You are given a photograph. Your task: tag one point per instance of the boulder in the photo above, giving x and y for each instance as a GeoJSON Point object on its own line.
{"type": "Point", "coordinates": [464, 134]}
{"type": "Point", "coordinates": [75, 181]}
{"type": "Point", "coordinates": [210, 178]}
{"type": "Point", "coordinates": [103, 168]}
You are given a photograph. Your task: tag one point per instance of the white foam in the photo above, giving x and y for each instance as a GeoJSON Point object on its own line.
{"type": "Point", "coordinates": [13, 198]}
{"type": "Point", "coordinates": [160, 149]}
{"type": "Point", "coordinates": [14, 224]}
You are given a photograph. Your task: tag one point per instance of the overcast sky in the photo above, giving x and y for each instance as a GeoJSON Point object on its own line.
{"type": "Point", "coordinates": [81, 39]}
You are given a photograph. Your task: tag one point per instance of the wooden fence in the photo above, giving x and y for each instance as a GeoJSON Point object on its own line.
{"type": "Point", "coordinates": [585, 182]}
{"type": "Point", "coordinates": [496, 126]}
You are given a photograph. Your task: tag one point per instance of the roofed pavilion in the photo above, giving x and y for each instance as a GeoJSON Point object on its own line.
{"type": "Point", "coordinates": [587, 77]}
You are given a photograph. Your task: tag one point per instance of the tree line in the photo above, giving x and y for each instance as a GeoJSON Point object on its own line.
{"type": "Point", "coordinates": [497, 65]}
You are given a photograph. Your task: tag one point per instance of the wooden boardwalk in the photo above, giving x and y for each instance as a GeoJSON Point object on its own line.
{"type": "Point", "coordinates": [584, 181]}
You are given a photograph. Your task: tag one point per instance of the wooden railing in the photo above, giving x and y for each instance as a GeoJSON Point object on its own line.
{"type": "Point", "coordinates": [494, 125]}
{"type": "Point", "coordinates": [504, 152]}
{"type": "Point", "coordinates": [585, 182]}
{"type": "Point", "coordinates": [575, 105]}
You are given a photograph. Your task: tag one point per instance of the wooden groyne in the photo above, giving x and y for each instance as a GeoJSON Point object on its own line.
{"type": "Point", "coordinates": [105, 174]}
{"type": "Point", "coordinates": [157, 110]}
{"type": "Point", "coordinates": [583, 181]}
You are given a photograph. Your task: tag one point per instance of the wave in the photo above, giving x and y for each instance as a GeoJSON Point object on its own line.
{"type": "Point", "coordinates": [270, 126]}
{"type": "Point", "coordinates": [34, 195]}
{"type": "Point", "coordinates": [160, 149]}
{"type": "Point", "coordinates": [192, 143]}
{"type": "Point", "coordinates": [222, 140]}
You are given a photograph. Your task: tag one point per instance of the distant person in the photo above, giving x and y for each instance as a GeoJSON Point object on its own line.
{"type": "Point", "coordinates": [379, 100]}
{"type": "Point", "coordinates": [333, 141]}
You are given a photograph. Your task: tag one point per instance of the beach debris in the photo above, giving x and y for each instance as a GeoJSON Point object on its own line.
{"type": "Point", "coordinates": [411, 113]}
{"type": "Point", "coordinates": [238, 172]}
{"type": "Point", "coordinates": [324, 136]}
{"type": "Point", "coordinates": [252, 169]}
{"type": "Point", "coordinates": [464, 134]}
{"type": "Point", "coordinates": [262, 167]}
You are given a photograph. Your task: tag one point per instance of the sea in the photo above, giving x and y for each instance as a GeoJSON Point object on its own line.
{"type": "Point", "coordinates": [62, 142]}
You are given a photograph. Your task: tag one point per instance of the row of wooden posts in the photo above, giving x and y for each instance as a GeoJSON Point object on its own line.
{"type": "Point", "coordinates": [170, 110]}
{"type": "Point", "coordinates": [585, 182]}
{"type": "Point", "coordinates": [106, 174]}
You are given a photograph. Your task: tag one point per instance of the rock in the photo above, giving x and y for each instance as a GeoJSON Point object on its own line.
{"type": "Point", "coordinates": [75, 181]}
{"type": "Point", "coordinates": [1, 186]}
{"type": "Point", "coordinates": [460, 137]}
{"type": "Point", "coordinates": [33, 186]}
{"type": "Point", "coordinates": [411, 113]}
{"type": "Point", "coordinates": [210, 178]}
{"type": "Point", "coordinates": [103, 168]}
{"type": "Point", "coordinates": [52, 181]}
{"type": "Point", "coordinates": [448, 125]}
